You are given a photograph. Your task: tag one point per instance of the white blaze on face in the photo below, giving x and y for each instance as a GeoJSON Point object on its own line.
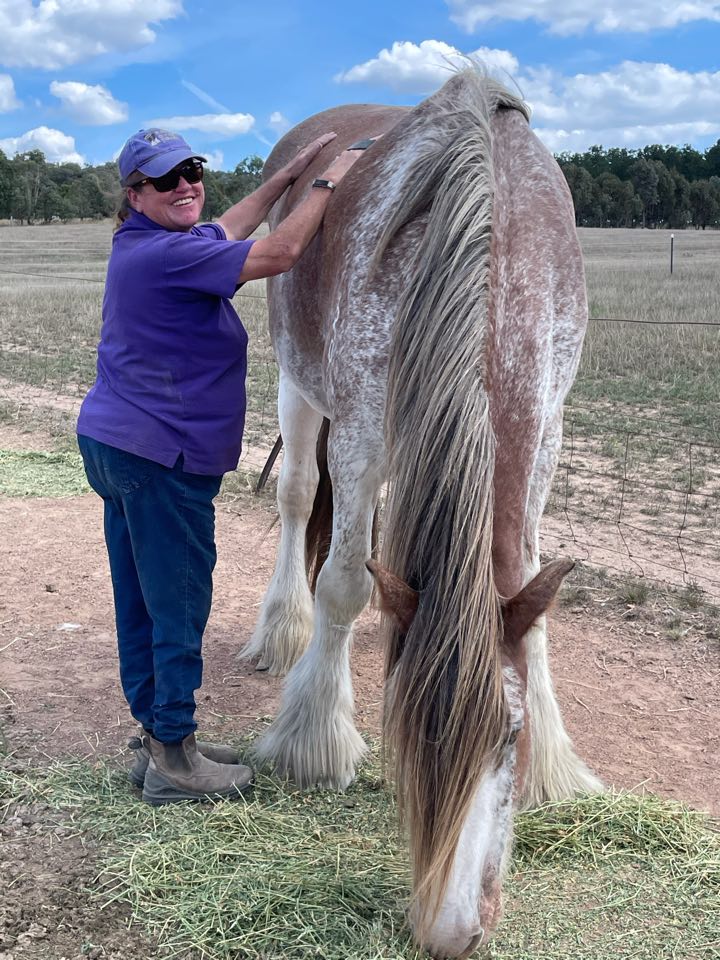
{"type": "Point", "coordinates": [471, 906]}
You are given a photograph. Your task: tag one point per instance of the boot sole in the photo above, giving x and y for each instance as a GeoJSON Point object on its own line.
{"type": "Point", "coordinates": [158, 791]}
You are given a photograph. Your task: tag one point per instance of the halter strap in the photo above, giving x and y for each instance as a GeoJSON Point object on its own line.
{"type": "Point", "coordinates": [362, 144]}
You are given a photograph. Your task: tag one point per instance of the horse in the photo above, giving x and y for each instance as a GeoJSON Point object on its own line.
{"type": "Point", "coordinates": [426, 340]}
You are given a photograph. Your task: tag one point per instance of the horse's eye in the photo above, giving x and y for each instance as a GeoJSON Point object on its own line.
{"type": "Point", "coordinates": [514, 731]}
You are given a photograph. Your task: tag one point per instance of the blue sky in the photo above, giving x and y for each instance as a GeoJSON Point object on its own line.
{"type": "Point", "coordinates": [77, 77]}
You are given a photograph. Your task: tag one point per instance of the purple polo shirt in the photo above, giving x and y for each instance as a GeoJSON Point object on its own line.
{"type": "Point", "coordinates": [172, 356]}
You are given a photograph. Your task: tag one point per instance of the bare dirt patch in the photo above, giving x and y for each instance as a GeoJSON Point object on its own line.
{"type": "Point", "coordinates": [40, 396]}
{"type": "Point", "coordinates": [46, 912]}
{"type": "Point", "coordinates": [59, 672]}
{"type": "Point", "coordinates": [21, 438]}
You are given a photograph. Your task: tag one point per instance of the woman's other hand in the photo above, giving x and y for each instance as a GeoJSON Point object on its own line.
{"type": "Point", "coordinates": [306, 156]}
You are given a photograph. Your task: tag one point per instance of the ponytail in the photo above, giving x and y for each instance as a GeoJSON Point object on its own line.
{"type": "Point", "coordinates": [125, 208]}
{"type": "Point", "coordinates": [123, 211]}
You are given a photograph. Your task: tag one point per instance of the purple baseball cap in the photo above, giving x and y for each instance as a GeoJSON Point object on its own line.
{"type": "Point", "coordinates": [153, 152]}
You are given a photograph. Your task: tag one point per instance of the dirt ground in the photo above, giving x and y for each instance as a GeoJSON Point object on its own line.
{"type": "Point", "coordinates": [643, 710]}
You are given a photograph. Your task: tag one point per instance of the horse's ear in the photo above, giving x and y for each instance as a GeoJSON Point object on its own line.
{"type": "Point", "coordinates": [396, 598]}
{"type": "Point", "coordinates": [522, 611]}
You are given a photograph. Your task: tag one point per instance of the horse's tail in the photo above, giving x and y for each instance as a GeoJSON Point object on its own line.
{"type": "Point", "coordinates": [318, 533]}
{"type": "Point", "coordinates": [269, 464]}
{"type": "Point", "coordinates": [445, 712]}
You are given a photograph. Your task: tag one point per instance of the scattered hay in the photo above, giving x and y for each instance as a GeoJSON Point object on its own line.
{"type": "Point", "coordinates": [289, 875]}
{"type": "Point", "coordinates": [613, 825]}
{"type": "Point", "coordinates": [33, 474]}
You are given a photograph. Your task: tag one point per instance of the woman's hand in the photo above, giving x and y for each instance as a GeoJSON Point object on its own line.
{"type": "Point", "coordinates": [344, 161]}
{"type": "Point", "coordinates": [341, 164]}
{"type": "Point", "coordinates": [306, 156]}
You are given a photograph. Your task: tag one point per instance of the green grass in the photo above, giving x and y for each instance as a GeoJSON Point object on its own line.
{"type": "Point", "coordinates": [640, 466]}
{"type": "Point", "coordinates": [667, 375]}
{"type": "Point", "coordinates": [32, 474]}
{"type": "Point", "coordinates": [674, 612]}
{"type": "Point", "coordinates": [635, 592]}
{"type": "Point", "coordinates": [292, 875]}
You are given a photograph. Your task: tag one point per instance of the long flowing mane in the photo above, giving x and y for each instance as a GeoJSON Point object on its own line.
{"type": "Point", "coordinates": [445, 713]}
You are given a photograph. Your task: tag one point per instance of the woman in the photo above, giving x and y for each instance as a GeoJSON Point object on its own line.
{"type": "Point", "coordinates": [164, 421]}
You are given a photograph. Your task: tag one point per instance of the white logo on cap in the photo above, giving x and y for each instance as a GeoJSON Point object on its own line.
{"type": "Point", "coordinates": [154, 137]}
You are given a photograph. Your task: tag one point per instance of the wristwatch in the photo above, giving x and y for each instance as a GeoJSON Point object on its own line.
{"type": "Point", "coordinates": [326, 184]}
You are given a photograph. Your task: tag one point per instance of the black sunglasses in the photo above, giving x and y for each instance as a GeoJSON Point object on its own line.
{"type": "Point", "coordinates": [192, 171]}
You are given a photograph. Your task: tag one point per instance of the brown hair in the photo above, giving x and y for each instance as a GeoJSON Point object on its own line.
{"type": "Point", "coordinates": [125, 209]}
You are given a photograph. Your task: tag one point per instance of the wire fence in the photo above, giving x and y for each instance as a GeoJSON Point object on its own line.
{"type": "Point", "coordinates": [647, 504]}
{"type": "Point", "coordinates": [639, 500]}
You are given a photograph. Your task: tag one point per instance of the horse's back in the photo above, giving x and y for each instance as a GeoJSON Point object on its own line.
{"type": "Point", "coordinates": [351, 123]}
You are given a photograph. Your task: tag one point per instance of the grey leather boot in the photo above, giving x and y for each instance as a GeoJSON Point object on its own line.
{"type": "Point", "coordinates": [178, 771]}
{"type": "Point", "coordinates": [219, 752]}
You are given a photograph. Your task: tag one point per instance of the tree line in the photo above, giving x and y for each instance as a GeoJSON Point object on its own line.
{"type": "Point", "coordinates": [32, 190]}
{"type": "Point", "coordinates": [655, 186]}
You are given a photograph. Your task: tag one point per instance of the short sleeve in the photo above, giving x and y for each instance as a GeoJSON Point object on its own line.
{"type": "Point", "coordinates": [204, 261]}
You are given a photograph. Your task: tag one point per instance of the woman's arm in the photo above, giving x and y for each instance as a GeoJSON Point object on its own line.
{"type": "Point", "coordinates": [281, 249]}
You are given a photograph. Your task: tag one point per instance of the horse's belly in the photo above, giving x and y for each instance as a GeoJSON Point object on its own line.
{"type": "Point", "coordinates": [296, 331]}
{"type": "Point", "coordinates": [308, 381]}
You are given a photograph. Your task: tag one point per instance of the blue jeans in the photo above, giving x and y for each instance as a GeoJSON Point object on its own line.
{"type": "Point", "coordinates": [160, 535]}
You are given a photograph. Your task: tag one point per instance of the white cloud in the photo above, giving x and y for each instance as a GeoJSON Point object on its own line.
{"type": "Point", "coordinates": [89, 104]}
{"type": "Point", "coordinates": [631, 105]}
{"type": "Point", "coordinates": [279, 123]}
{"type": "Point", "coordinates": [422, 68]}
{"type": "Point", "coordinates": [55, 33]}
{"type": "Point", "coordinates": [222, 126]}
{"type": "Point", "coordinates": [8, 100]}
{"type": "Point", "coordinates": [578, 140]}
{"type": "Point", "coordinates": [215, 158]}
{"type": "Point", "coordinates": [57, 146]}
{"type": "Point", "coordinates": [575, 16]}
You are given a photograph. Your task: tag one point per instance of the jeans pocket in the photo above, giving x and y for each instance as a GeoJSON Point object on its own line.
{"type": "Point", "coordinates": [127, 472]}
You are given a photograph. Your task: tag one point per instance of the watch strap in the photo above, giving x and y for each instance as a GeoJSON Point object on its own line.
{"type": "Point", "coordinates": [325, 184]}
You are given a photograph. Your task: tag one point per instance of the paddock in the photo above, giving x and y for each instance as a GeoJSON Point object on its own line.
{"type": "Point", "coordinates": [635, 654]}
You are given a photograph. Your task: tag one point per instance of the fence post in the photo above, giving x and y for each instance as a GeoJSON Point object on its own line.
{"type": "Point", "coordinates": [672, 245]}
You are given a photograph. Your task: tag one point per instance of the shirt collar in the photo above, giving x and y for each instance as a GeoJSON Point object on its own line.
{"type": "Point", "coordinates": [138, 221]}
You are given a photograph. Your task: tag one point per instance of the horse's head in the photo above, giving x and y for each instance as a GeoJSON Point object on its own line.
{"type": "Point", "coordinates": [469, 906]}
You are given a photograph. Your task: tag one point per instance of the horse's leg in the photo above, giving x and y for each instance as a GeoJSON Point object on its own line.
{"type": "Point", "coordinates": [284, 626]}
{"type": "Point", "coordinates": [556, 772]}
{"type": "Point", "coordinates": [314, 739]}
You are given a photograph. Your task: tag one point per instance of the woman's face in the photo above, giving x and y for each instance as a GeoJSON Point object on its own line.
{"type": "Point", "coordinates": [178, 209]}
